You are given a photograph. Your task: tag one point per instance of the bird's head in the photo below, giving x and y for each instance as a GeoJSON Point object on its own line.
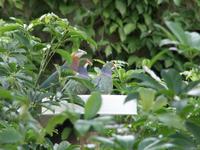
{"type": "Point", "coordinates": [76, 58]}
{"type": "Point", "coordinates": [78, 54]}
{"type": "Point", "coordinates": [107, 68]}
{"type": "Point", "coordinates": [82, 70]}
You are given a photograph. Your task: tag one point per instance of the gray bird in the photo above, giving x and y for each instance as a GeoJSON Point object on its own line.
{"type": "Point", "coordinates": [53, 78]}
{"type": "Point", "coordinates": [75, 87]}
{"type": "Point", "coordinates": [104, 82]}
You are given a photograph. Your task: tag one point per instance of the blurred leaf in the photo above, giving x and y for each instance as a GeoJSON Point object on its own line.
{"type": "Point", "coordinates": [10, 135]}
{"type": "Point", "coordinates": [82, 126]}
{"type": "Point", "coordinates": [54, 121]}
{"type": "Point", "coordinates": [125, 141]}
{"type": "Point", "coordinates": [121, 6]}
{"type": "Point", "coordinates": [129, 27]}
{"type": "Point", "coordinates": [153, 144]}
{"type": "Point", "coordinates": [173, 80]}
{"type": "Point", "coordinates": [9, 27]}
{"type": "Point", "coordinates": [194, 129]}
{"type": "Point", "coordinates": [5, 93]}
{"type": "Point", "coordinates": [160, 102]}
{"type": "Point", "coordinates": [177, 30]}
{"type": "Point", "coordinates": [177, 2]}
{"type": "Point", "coordinates": [171, 120]}
{"type": "Point", "coordinates": [65, 55]}
{"type": "Point", "coordinates": [146, 98]}
{"type": "Point", "coordinates": [92, 105]}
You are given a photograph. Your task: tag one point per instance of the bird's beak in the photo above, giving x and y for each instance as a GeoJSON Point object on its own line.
{"type": "Point", "coordinates": [89, 62]}
{"type": "Point", "coordinates": [79, 53]}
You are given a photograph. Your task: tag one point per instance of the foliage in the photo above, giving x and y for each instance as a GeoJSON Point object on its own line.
{"type": "Point", "coordinates": [123, 29]}
{"type": "Point", "coordinates": [167, 92]}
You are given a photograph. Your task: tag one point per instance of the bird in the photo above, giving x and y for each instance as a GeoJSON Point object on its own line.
{"type": "Point", "coordinates": [53, 78]}
{"type": "Point", "coordinates": [75, 87]}
{"type": "Point", "coordinates": [103, 82]}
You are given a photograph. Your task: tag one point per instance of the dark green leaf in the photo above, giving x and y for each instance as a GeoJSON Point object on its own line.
{"type": "Point", "coordinates": [173, 80]}
{"type": "Point", "coordinates": [65, 55]}
{"type": "Point", "coordinates": [92, 105]}
{"type": "Point", "coordinates": [194, 129]}
{"type": "Point", "coordinates": [121, 6]}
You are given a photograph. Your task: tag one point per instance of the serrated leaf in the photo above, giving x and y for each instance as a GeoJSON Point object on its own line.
{"type": "Point", "coordinates": [92, 105]}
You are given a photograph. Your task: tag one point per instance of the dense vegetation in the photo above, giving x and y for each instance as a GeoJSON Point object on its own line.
{"type": "Point", "coordinates": [154, 46]}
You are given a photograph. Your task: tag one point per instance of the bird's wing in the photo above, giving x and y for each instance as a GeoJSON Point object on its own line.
{"type": "Point", "coordinates": [104, 84]}
{"type": "Point", "coordinates": [53, 77]}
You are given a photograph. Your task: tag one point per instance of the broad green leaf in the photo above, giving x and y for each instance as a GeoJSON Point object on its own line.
{"type": "Point", "coordinates": [121, 6]}
{"type": "Point", "coordinates": [62, 146]}
{"type": "Point", "coordinates": [147, 96]}
{"type": "Point", "coordinates": [177, 2]}
{"type": "Point", "coordinates": [65, 55]}
{"type": "Point", "coordinates": [171, 120]}
{"type": "Point", "coordinates": [54, 121]}
{"type": "Point", "coordinates": [194, 129]}
{"type": "Point", "coordinates": [92, 105]}
{"type": "Point", "coordinates": [104, 141]}
{"type": "Point", "coordinates": [10, 135]}
{"type": "Point", "coordinates": [159, 102]}
{"type": "Point", "coordinates": [113, 27]}
{"type": "Point", "coordinates": [65, 133]}
{"type": "Point", "coordinates": [173, 80]}
{"type": "Point", "coordinates": [129, 27]}
{"type": "Point", "coordinates": [154, 144]}
{"type": "Point", "coordinates": [125, 141]}
{"type": "Point", "coordinates": [82, 126]}
{"type": "Point", "coordinates": [178, 31]}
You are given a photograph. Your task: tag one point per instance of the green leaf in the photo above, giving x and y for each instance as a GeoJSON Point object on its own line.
{"type": "Point", "coordinates": [125, 141]}
{"type": "Point", "coordinates": [177, 2]}
{"type": "Point", "coordinates": [113, 27]}
{"type": "Point", "coordinates": [178, 31]}
{"type": "Point", "coordinates": [65, 133]}
{"type": "Point", "coordinates": [9, 27]}
{"type": "Point", "coordinates": [147, 98]}
{"type": "Point", "coordinates": [82, 126]}
{"type": "Point", "coordinates": [121, 6]}
{"type": "Point", "coordinates": [65, 55]}
{"type": "Point", "coordinates": [129, 27]}
{"type": "Point", "coordinates": [54, 121]}
{"type": "Point", "coordinates": [5, 94]}
{"type": "Point", "coordinates": [159, 102]}
{"type": "Point", "coordinates": [92, 105]}
{"type": "Point", "coordinates": [122, 35]}
{"type": "Point", "coordinates": [194, 129]}
{"type": "Point", "coordinates": [173, 80]}
{"type": "Point", "coordinates": [10, 135]}
{"type": "Point", "coordinates": [171, 120]}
